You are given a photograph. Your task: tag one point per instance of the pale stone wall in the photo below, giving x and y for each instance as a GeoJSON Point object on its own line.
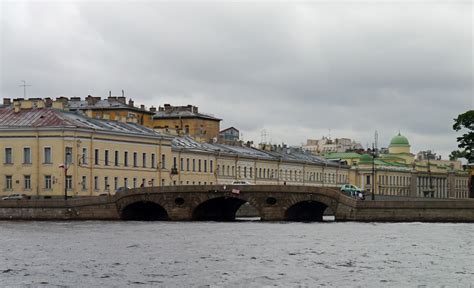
{"type": "Point", "coordinates": [194, 168]}
{"type": "Point", "coordinates": [83, 170]}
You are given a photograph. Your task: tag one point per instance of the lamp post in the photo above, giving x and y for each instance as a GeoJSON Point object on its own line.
{"type": "Point", "coordinates": [65, 167]}
{"type": "Point", "coordinates": [374, 154]}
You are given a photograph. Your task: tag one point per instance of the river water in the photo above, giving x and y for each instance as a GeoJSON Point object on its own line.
{"type": "Point", "coordinates": [237, 254]}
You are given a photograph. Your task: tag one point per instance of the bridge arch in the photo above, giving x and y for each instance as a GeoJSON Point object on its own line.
{"type": "Point", "coordinates": [218, 209]}
{"type": "Point", "coordinates": [306, 211]}
{"type": "Point", "coordinates": [144, 211]}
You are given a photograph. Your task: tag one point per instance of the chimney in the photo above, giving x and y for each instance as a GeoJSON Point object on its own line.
{"type": "Point", "coordinates": [152, 109]}
{"type": "Point", "coordinates": [7, 101]}
{"type": "Point", "coordinates": [17, 106]}
{"type": "Point", "coordinates": [90, 100]}
{"type": "Point", "coordinates": [110, 93]}
{"type": "Point", "coordinates": [195, 109]}
{"type": "Point", "coordinates": [142, 107]}
{"type": "Point", "coordinates": [123, 93]}
{"type": "Point", "coordinates": [130, 102]}
{"type": "Point", "coordinates": [48, 102]}
{"type": "Point", "coordinates": [167, 107]}
{"type": "Point", "coordinates": [112, 98]}
{"type": "Point", "coordinates": [63, 99]}
{"type": "Point", "coordinates": [122, 100]}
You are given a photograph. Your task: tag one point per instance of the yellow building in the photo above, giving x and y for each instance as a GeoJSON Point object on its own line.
{"type": "Point", "coordinates": [100, 155]}
{"type": "Point", "coordinates": [111, 108]}
{"type": "Point", "coordinates": [172, 120]}
{"type": "Point", "coordinates": [398, 173]}
{"type": "Point", "coordinates": [271, 165]}
{"type": "Point", "coordinates": [186, 120]}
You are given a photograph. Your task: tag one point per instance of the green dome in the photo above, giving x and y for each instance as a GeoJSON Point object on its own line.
{"type": "Point", "coordinates": [399, 141]}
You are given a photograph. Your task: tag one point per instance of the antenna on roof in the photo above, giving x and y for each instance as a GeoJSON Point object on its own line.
{"type": "Point", "coordinates": [376, 136]}
{"type": "Point", "coordinates": [123, 93]}
{"type": "Point", "coordinates": [263, 136]}
{"type": "Point", "coordinates": [24, 88]}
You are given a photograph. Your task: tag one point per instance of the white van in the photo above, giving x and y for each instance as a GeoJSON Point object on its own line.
{"type": "Point", "coordinates": [241, 182]}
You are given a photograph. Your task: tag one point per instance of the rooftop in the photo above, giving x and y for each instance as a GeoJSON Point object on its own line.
{"type": "Point", "coordinates": [97, 103]}
{"type": "Point", "coordinates": [287, 154]}
{"type": "Point", "coordinates": [55, 118]}
{"type": "Point", "coordinates": [189, 111]}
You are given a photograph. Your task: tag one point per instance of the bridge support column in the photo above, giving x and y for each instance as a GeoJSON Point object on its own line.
{"type": "Point", "coordinates": [272, 214]}
{"type": "Point", "coordinates": [180, 214]}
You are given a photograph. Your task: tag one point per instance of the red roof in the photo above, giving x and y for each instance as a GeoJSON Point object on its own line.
{"type": "Point", "coordinates": [38, 117]}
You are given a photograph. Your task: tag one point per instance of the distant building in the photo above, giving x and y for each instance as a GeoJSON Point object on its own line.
{"type": "Point", "coordinates": [229, 136]}
{"type": "Point", "coordinates": [186, 120]}
{"type": "Point", "coordinates": [111, 108]}
{"type": "Point", "coordinates": [399, 173]}
{"type": "Point", "coordinates": [175, 120]}
{"type": "Point", "coordinates": [327, 144]}
{"type": "Point", "coordinates": [423, 156]}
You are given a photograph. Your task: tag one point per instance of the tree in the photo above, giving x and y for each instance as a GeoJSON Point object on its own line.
{"type": "Point", "coordinates": [456, 154]}
{"type": "Point", "coordinates": [466, 141]}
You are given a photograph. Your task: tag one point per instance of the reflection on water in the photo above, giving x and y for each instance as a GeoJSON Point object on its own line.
{"type": "Point", "coordinates": [236, 254]}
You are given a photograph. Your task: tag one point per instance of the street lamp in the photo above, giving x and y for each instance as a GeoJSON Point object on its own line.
{"type": "Point", "coordinates": [374, 154]}
{"type": "Point", "coordinates": [65, 167]}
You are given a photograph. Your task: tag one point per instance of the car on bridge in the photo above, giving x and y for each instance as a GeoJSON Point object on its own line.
{"type": "Point", "coordinates": [15, 197]}
{"type": "Point", "coordinates": [352, 190]}
{"type": "Point", "coordinates": [241, 182]}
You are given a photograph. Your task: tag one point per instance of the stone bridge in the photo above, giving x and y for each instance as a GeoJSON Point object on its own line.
{"type": "Point", "coordinates": [220, 203]}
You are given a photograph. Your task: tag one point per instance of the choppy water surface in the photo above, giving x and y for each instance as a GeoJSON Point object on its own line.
{"type": "Point", "coordinates": [240, 254]}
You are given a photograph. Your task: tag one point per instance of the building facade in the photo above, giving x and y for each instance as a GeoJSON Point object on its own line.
{"type": "Point", "coordinates": [271, 165]}
{"type": "Point", "coordinates": [186, 120]}
{"type": "Point", "coordinates": [51, 152]}
{"type": "Point", "coordinates": [398, 173]}
{"type": "Point", "coordinates": [326, 145]}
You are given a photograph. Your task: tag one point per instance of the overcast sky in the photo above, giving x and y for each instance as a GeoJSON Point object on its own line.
{"type": "Point", "coordinates": [295, 70]}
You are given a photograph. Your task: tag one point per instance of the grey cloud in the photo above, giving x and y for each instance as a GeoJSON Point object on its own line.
{"type": "Point", "coordinates": [295, 70]}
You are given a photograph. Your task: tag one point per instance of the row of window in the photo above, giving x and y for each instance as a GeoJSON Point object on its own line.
{"type": "Point", "coordinates": [289, 175]}
{"type": "Point", "coordinates": [48, 182]}
{"type": "Point", "coordinates": [26, 182]}
{"type": "Point", "coordinates": [191, 163]}
{"type": "Point", "coordinates": [106, 160]}
{"type": "Point", "coordinates": [26, 155]}
{"type": "Point", "coordinates": [117, 161]}
{"type": "Point", "coordinates": [394, 180]}
{"type": "Point", "coordinates": [126, 182]}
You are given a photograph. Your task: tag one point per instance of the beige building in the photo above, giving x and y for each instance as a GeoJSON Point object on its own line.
{"type": "Point", "coordinates": [326, 145]}
{"type": "Point", "coordinates": [398, 173]}
{"type": "Point", "coordinates": [269, 165]}
{"type": "Point", "coordinates": [36, 144]}
{"type": "Point", "coordinates": [186, 120]}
